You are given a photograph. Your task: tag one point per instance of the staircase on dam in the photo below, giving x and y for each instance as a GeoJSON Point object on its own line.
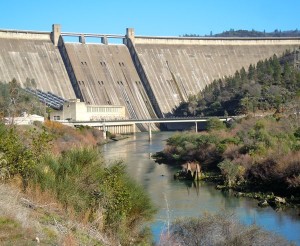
{"type": "Point", "coordinates": [150, 76]}
{"type": "Point", "coordinates": [48, 98]}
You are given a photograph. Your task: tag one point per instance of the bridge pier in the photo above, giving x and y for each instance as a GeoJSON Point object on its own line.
{"type": "Point", "coordinates": [55, 34]}
{"type": "Point", "coordinates": [133, 128]}
{"type": "Point", "coordinates": [104, 132]}
{"type": "Point", "coordinates": [196, 126]}
{"type": "Point", "coordinates": [104, 40]}
{"type": "Point", "coordinates": [82, 39]}
{"type": "Point", "coordinates": [150, 132]}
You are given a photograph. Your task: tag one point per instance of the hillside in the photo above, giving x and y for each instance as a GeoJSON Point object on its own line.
{"type": "Point", "coordinates": [252, 33]}
{"type": "Point", "coordinates": [270, 85]}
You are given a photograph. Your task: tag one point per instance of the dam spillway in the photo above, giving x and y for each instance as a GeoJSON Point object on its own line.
{"type": "Point", "coordinates": [150, 76]}
{"type": "Point", "coordinates": [105, 74]}
{"type": "Point", "coordinates": [29, 55]}
{"type": "Point", "coordinates": [176, 68]}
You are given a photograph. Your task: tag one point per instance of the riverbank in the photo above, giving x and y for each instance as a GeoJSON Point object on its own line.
{"type": "Point", "coordinates": [183, 199]}
{"type": "Point", "coordinates": [52, 164]}
{"type": "Point", "coordinates": [258, 158]}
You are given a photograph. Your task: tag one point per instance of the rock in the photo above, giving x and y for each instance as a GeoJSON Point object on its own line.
{"type": "Point", "coordinates": [221, 187]}
{"type": "Point", "coordinates": [239, 194]}
{"type": "Point", "coordinates": [280, 200]}
{"type": "Point", "coordinates": [263, 203]}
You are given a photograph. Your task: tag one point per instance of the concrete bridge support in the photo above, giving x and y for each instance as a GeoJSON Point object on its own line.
{"type": "Point", "coordinates": [104, 40]}
{"type": "Point", "coordinates": [55, 34]}
{"type": "Point", "coordinates": [82, 39]}
{"type": "Point", "coordinates": [150, 131]}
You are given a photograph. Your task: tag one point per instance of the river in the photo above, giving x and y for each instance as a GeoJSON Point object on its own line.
{"type": "Point", "coordinates": [180, 199]}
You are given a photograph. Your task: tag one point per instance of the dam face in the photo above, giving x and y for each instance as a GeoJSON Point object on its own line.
{"type": "Point", "coordinates": [177, 68]}
{"type": "Point", "coordinates": [25, 55]}
{"type": "Point", "coordinates": [105, 74]}
{"type": "Point", "coordinates": [150, 76]}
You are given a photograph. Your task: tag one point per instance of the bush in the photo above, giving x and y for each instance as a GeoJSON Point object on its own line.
{"type": "Point", "coordinates": [231, 171]}
{"type": "Point", "coordinates": [22, 156]}
{"type": "Point", "coordinates": [203, 148]}
{"type": "Point", "coordinates": [215, 124]}
{"type": "Point", "coordinates": [83, 183]}
{"type": "Point", "coordinates": [297, 133]}
{"type": "Point", "coordinates": [218, 229]}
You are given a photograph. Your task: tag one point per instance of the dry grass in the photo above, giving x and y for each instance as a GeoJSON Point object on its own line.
{"type": "Point", "coordinates": [67, 137]}
{"type": "Point", "coordinates": [15, 222]}
{"type": "Point", "coordinates": [26, 218]}
{"type": "Point", "coordinates": [218, 229]}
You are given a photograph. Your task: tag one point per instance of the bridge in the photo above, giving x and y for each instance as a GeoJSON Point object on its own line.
{"type": "Point", "coordinates": [129, 126]}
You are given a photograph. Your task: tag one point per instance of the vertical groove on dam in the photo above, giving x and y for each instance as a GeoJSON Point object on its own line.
{"type": "Point", "coordinates": [106, 74]}
{"type": "Point", "coordinates": [35, 57]}
{"type": "Point", "coordinates": [175, 71]}
{"type": "Point", "coordinates": [150, 76]}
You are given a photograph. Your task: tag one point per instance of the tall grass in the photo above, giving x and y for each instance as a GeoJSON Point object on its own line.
{"type": "Point", "coordinates": [104, 195]}
{"type": "Point", "coordinates": [101, 195]}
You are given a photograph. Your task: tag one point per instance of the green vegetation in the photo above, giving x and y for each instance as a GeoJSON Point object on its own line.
{"type": "Point", "coordinates": [273, 84]}
{"type": "Point", "coordinates": [20, 156]}
{"type": "Point", "coordinates": [88, 189]}
{"type": "Point", "coordinates": [253, 155]}
{"type": "Point", "coordinates": [252, 33]}
{"type": "Point", "coordinates": [12, 233]}
{"type": "Point", "coordinates": [218, 229]}
{"type": "Point", "coordinates": [14, 100]}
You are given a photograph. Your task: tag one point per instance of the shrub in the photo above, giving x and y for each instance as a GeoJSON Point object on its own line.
{"type": "Point", "coordinates": [22, 156]}
{"type": "Point", "coordinates": [297, 133]}
{"type": "Point", "coordinates": [82, 182]}
{"type": "Point", "coordinates": [215, 124]}
{"type": "Point", "coordinates": [204, 148]}
{"type": "Point", "coordinates": [218, 229]}
{"type": "Point", "coordinates": [231, 171]}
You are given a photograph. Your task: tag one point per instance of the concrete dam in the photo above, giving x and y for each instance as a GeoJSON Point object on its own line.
{"type": "Point", "coordinates": [150, 76]}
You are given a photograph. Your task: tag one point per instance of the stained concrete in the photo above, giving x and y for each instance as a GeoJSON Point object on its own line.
{"type": "Point", "coordinates": [106, 74]}
{"type": "Point", "coordinates": [33, 56]}
{"type": "Point", "coordinates": [177, 68]}
{"type": "Point", "coordinates": [150, 72]}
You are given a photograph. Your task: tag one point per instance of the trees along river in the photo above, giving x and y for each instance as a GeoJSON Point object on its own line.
{"type": "Point", "coordinates": [184, 199]}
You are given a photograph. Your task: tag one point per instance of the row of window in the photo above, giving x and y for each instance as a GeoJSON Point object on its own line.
{"type": "Point", "coordinates": [104, 64]}
{"type": "Point", "coordinates": [118, 82]}
{"type": "Point", "coordinates": [104, 109]}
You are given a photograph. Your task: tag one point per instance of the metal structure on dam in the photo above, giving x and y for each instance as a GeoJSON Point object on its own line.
{"type": "Point", "coordinates": [150, 76]}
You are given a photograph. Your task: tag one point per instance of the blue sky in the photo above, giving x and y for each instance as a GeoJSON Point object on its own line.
{"type": "Point", "coordinates": [155, 17]}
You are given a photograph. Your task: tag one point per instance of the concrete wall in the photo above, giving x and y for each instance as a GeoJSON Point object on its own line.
{"type": "Point", "coordinates": [176, 68]}
{"type": "Point", "coordinates": [149, 73]}
{"type": "Point", "coordinates": [33, 55]}
{"type": "Point", "coordinates": [75, 110]}
{"type": "Point", "coordinates": [105, 74]}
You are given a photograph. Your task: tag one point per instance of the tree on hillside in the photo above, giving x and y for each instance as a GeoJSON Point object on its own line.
{"type": "Point", "coordinates": [268, 85]}
{"type": "Point", "coordinates": [14, 100]}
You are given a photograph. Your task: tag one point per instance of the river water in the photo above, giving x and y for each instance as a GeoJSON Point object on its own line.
{"type": "Point", "coordinates": [180, 199]}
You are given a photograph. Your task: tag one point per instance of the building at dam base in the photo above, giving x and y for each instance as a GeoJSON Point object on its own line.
{"type": "Point", "coordinates": [148, 76]}
{"type": "Point", "coordinates": [74, 110]}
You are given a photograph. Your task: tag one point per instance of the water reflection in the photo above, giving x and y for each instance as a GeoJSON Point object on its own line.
{"type": "Point", "coordinates": [180, 199]}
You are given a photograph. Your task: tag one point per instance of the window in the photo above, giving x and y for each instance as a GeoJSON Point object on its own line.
{"type": "Point", "coordinates": [56, 117]}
